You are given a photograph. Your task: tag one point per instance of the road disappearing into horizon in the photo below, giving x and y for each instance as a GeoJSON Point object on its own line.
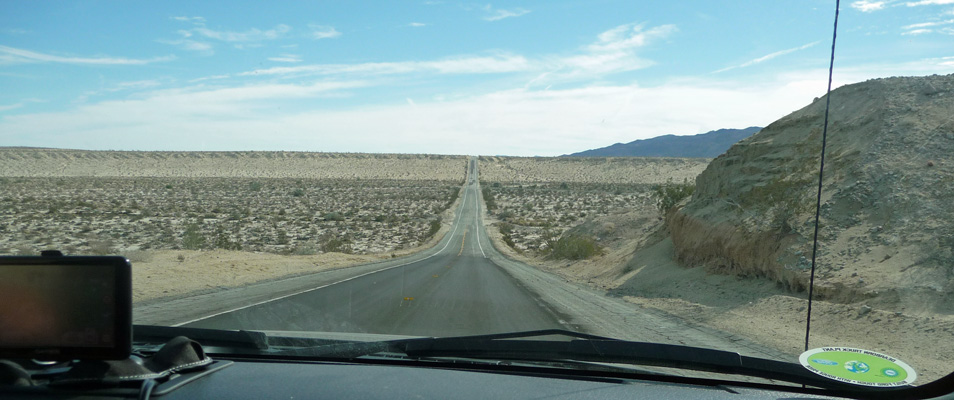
{"type": "Point", "coordinates": [454, 290]}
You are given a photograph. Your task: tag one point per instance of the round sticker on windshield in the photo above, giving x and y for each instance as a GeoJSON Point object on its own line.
{"type": "Point", "coordinates": [858, 366]}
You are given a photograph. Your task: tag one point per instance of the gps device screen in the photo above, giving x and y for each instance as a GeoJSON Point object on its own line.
{"type": "Point", "coordinates": [57, 308]}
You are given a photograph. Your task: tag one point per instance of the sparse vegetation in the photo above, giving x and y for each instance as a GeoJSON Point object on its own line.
{"type": "Point", "coordinates": [532, 217]}
{"type": "Point", "coordinates": [669, 194]}
{"type": "Point", "coordinates": [489, 199]}
{"type": "Point", "coordinates": [575, 247]}
{"type": "Point", "coordinates": [85, 215]}
{"type": "Point", "coordinates": [780, 201]}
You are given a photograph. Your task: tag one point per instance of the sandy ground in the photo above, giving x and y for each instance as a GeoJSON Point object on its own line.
{"type": "Point", "coordinates": [755, 308]}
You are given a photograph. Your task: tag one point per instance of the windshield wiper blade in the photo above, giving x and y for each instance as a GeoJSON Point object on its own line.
{"type": "Point", "coordinates": [583, 347]}
{"type": "Point", "coordinates": [620, 352]}
{"type": "Point", "coordinates": [350, 350]}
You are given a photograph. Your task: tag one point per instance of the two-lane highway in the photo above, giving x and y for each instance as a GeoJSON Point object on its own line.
{"type": "Point", "coordinates": [454, 291]}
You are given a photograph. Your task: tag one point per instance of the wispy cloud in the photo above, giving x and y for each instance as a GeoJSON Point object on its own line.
{"type": "Point", "coordinates": [15, 31]}
{"type": "Point", "coordinates": [251, 35]}
{"type": "Point", "coordinates": [613, 51]}
{"type": "Point", "coordinates": [12, 55]}
{"type": "Point", "coordinates": [928, 3]}
{"type": "Point", "coordinates": [9, 107]}
{"type": "Point", "coordinates": [194, 20]}
{"type": "Point", "coordinates": [456, 65]}
{"type": "Point", "coordinates": [768, 57]}
{"type": "Point", "coordinates": [189, 44]}
{"type": "Point", "coordinates": [416, 24]}
{"type": "Point", "coordinates": [927, 27]}
{"type": "Point", "coordinates": [499, 14]}
{"type": "Point", "coordinates": [868, 5]}
{"type": "Point", "coordinates": [20, 104]}
{"type": "Point", "coordinates": [120, 87]}
{"type": "Point", "coordinates": [323, 32]}
{"type": "Point", "coordinates": [287, 58]}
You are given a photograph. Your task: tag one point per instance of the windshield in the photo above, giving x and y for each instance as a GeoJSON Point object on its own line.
{"type": "Point", "coordinates": [645, 171]}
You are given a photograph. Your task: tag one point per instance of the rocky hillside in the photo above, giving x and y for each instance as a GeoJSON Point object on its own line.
{"type": "Point", "coordinates": [887, 233]}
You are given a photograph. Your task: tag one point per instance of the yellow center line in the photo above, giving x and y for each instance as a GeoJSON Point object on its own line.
{"type": "Point", "coordinates": [462, 244]}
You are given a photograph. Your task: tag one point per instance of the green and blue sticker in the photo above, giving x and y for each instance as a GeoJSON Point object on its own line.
{"type": "Point", "coordinates": [858, 366]}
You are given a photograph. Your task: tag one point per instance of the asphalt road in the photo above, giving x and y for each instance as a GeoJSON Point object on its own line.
{"type": "Point", "coordinates": [454, 290]}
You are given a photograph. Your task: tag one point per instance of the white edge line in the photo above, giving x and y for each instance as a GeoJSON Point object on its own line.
{"type": "Point", "coordinates": [477, 224]}
{"type": "Point", "coordinates": [449, 239]}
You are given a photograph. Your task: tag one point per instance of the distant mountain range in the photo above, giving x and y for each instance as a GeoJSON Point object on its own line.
{"type": "Point", "coordinates": [704, 145]}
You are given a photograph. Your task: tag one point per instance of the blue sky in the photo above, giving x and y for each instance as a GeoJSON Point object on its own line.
{"type": "Point", "coordinates": [516, 78]}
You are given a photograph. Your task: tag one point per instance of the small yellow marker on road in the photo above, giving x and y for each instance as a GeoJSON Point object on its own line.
{"type": "Point", "coordinates": [408, 298]}
{"type": "Point", "coordinates": [435, 276]}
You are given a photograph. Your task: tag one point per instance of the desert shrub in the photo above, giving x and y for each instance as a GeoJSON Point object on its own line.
{"type": "Point", "coordinates": [223, 240]}
{"type": "Point", "coordinates": [489, 199]}
{"type": "Point", "coordinates": [335, 244]}
{"type": "Point", "coordinates": [454, 193]}
{"type": "Point", "coordinates": [669, 194]}
{"type": "Point", "coordinates": [506, 233]}
{"type": "Point", "coordinates": [298, 192]}
{"type": "Point", "coordinates": [506, 214]}
{"type": "Point", "coordinates": [435, 226]}
{"type": "Point", "coordinates": [192, 238]}
{"type": "Point", "coordinates": [575, 247]}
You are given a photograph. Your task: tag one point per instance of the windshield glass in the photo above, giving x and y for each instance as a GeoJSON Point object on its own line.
{"type": "Point", "coordinates": [645, 171]}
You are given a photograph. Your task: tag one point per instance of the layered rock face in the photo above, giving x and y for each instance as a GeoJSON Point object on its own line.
{"type": "Point", "coordinates": [887, 221]}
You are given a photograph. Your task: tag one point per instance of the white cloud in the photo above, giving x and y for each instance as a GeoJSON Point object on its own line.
{"type": "Point", "coordinates": [499, 14]}
{"type": "Point", "coordinates": [323, 32]}
{"type": "Point", "coordinates": [916, 32]}
{"type": "Point", "coordinates": [416, 24]}
{"type": "Point", "coordinates": [515, 121]}
{"type": "Point", "coordinates": [189, 44]}
{"type": "Point", "coordinates": [768, 57]}
{"type": "Point", "coordinates": [251, 35]}
{"type": "Point", "coordinates": [12, 55]}
{"type": "Point", "coordinates": [867, 5]}
{"type": "Point", "coordinates": [194, 20]}
{"type": "Point", "coordinates": [614, 51]}
{"type": "Point", "coordinates": [287, 58]}
{"type": "Point", "coordinates": [928, 24]}
{"type": "Point", "coordinates": [9, 107]}
{"type": "Point", "coordinates": [928, 3]}
{"type": "Point", "coordinates": [457, 65]}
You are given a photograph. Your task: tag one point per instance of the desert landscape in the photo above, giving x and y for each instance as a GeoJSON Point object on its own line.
{"type": "Point", "coordinates": [735, 254]}
{"type": "Point", "coordinates": [244, 216]}
{"type": "Point", "coordinates": [723, 243]}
